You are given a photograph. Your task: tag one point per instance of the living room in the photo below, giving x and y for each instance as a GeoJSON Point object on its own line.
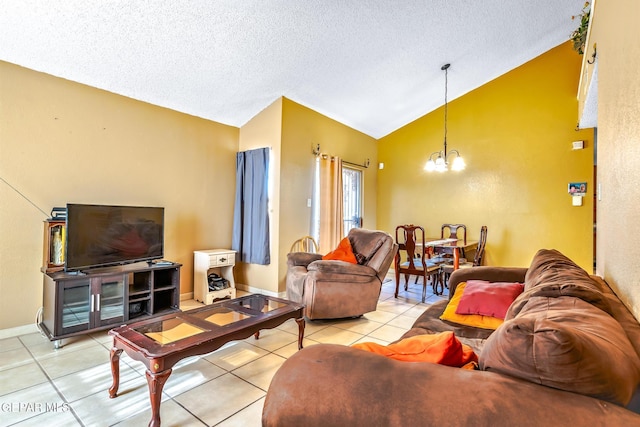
{"type": "Point", "coordinates": [66, 142]}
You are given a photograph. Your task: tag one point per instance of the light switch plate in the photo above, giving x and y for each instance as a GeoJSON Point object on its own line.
{"type": "Point", "coordinates": [576, 200]}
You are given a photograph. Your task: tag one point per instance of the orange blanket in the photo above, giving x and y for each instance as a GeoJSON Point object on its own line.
{"type": "Point", "coordinates": [443, 348]}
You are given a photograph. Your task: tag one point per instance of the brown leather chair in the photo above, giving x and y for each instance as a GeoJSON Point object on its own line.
{"type": "Point", "coordinates": [336, 289]}
{"type": "Point", "coordinates": [411, 259]}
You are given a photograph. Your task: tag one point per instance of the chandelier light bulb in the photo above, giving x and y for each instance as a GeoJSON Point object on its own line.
{"type": "Point", "coordinates": [430, 166]}
{"type": "Point", "coordinates": [458, 164]}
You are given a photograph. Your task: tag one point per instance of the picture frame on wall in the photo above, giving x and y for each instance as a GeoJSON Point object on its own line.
{"type": "Point", "coordinates": [577, 188]}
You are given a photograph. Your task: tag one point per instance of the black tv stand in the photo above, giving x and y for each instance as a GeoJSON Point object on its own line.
{"type": "Point", "coordinates": [76, 303]}
{"type": "Point", "coordinates": [76, 273]}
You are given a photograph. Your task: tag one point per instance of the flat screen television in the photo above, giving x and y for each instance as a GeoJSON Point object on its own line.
{"type": "Point", "coordinates": [99, 235]}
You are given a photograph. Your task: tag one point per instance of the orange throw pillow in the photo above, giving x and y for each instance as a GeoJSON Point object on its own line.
{"type": "Point", "coordinates": [443, 348]}
{"type": "Point", "coordinates": [343, 252]}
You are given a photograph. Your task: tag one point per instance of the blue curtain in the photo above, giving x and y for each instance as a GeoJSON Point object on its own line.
{"type": "Point", "coordinates": [250, 215]}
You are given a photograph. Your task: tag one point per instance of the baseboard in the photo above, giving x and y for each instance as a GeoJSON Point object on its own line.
{"type": "Point", "coordinates": [253, 290]}
{"type": "Point", "coordinates": [18, 330]}
{"type": "Point", "coordinates": [245, 288]}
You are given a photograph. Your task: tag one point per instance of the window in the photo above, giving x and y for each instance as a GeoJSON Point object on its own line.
{"type": "Point", "coordinates": [352, 198]}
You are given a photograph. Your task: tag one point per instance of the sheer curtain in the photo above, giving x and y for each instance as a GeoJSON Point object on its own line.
{"type": "Point", "coordinates": [330, 203]}
{"type": "Point", "coordinates": [251, 215]}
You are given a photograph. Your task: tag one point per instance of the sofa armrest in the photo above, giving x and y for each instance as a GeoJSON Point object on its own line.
{"type": "Point", "coordinates": [301, 258]}
{"type": "Point", "coordinates": [332, 267]}
{"type": "Point", "coordinates": [332, 385]}
{"type": "Point", "coordinates": [490, 274]}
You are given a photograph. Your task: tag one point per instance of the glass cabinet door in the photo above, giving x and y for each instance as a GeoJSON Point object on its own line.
{"type": "Point", "coordinates": [75, 305]}
{"type": "Point", "coordinates": [110, 300]}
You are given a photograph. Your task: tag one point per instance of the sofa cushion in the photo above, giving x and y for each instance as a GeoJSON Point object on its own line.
{"type": "Point", "coordinates": [475, 320]}
{"type": "Point", "coordinates": [549, 261]}
{"type": "Point", "coordinates": [488, 299]}
{"type": "Point", "coordinates": [365, 246]}
{"type": "Point", "coordinates": [568, 344]}
{"type": "Point", "coordinates": [552, 274]}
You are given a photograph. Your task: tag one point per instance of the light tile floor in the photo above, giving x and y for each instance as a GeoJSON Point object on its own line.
{"type": "Point", "coordinates": [40, 385]}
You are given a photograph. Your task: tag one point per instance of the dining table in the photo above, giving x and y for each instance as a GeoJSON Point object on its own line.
{"type": "Point", "coordinates": [451, 246]}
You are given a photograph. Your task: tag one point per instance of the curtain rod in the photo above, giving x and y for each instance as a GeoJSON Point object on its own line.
{"type": "Point", "coordinates": [316, 152]}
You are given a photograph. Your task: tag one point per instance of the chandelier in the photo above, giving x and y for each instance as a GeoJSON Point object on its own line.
{"type": "Point", "coordinates": [442, 158]}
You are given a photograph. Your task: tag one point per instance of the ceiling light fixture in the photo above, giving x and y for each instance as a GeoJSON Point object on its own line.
{"type": "Point", "coordinates": [441, 162]}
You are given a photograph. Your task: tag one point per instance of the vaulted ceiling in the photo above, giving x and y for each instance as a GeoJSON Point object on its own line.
{"type": "Point", "coordinates": [373, 65]}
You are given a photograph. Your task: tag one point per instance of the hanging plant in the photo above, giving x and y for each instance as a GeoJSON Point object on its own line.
{"type": "Point", "coordinates": [579, 35]}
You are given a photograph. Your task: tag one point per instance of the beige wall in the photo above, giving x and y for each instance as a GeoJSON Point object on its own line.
{"type": "Point", "coordinates": [303, 128]}
{"type": "Point", "coordinates": [291, 130]}
{"type": "Point", "coordinates": [618, 211]}
{"type": "Point", "coordinates": [65, 142]}
{"type": "Point", "coordinates": [515, 134]}
{"type": "Point", "coordinates": [265, 130]}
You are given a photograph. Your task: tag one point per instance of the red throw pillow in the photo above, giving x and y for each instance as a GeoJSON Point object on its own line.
{"type": "Point", "coordinates": [488, 299]}
{"type": "Point", "coordinates": [342, 253]}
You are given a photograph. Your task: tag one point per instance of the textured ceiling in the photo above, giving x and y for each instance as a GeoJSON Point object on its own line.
{"type": "Point", "coordinates": [371, 64]}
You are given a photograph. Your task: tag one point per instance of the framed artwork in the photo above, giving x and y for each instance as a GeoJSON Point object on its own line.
{"type": "Point", "coordinates": [577, 188]}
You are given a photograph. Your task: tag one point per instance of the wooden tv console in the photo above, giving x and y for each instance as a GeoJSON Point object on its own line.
{"type": "Point", "coordinates": [103, 298]}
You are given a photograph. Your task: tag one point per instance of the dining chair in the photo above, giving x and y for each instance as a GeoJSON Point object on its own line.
{"type": "Point", "coordinates": [453, 231]}
{"type": "Point", "coordinates": [411, 259]}
{"type": "Point", "coordinates": [447, 268]}
{"type": "Point", "coordinates": [305, 244]}
{"type": "Point", "coordinates": [450, 231]}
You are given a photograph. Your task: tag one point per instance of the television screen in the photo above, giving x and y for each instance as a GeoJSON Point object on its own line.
{"type": "Point", "coordinates": [110, 235]}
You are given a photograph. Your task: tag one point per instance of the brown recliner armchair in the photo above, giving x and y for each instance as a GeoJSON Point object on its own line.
{"type": "Point", "coordinates": [336, 289]}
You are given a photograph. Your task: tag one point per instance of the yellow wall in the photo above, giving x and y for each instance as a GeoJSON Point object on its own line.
{"type": "Point", "coordinates": [65, 142]}
{"type": "Point", "coordinates": [618, 44]}
{"type": "Point", "coordinates": [515, 134]}
{"type": "Point", "coordinates": [265, 130]}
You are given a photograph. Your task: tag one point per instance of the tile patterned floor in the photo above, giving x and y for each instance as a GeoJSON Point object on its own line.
{"type": "Point", "coordinates": [40, 385]}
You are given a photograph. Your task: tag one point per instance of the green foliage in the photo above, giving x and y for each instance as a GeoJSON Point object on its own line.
{"type": "Point", "coordinates": [579, 35]}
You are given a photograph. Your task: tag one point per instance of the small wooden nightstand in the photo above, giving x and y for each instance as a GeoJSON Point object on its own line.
{"type": "Point", "coordinates": [204, 262]}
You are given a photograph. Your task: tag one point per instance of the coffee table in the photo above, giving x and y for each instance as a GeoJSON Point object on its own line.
{"type": "Point", "coordinates": [163, 341]}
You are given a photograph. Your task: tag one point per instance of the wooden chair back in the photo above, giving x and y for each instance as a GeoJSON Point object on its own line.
{"type": "Point", "coordinates": [305, 244]}
{"type": "Point", "coordinates": [454, 230]}
{"type": "Point", "coordinates": [477, 260]}
{"type": "Point", "coordinates": [407, 237]}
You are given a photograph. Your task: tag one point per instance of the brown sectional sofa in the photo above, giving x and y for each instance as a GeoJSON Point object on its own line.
{"type": "Point", "coordinates": [568, 354]}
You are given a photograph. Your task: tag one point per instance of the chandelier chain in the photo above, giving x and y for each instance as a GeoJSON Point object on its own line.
{"type": "Point", "coordinates": [446, 85]}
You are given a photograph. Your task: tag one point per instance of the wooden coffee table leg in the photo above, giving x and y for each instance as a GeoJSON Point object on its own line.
{"type": "Point", "coordinates": [300, 323]}
{"type": "Point", "coordinates": [156, 383]}
{"type": "Point", "coordinates": [115, 371]}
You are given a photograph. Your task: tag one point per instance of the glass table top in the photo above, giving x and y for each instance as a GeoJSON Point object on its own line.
{"type": "Point", "coordinates": [192, 322]}
{"type": "Point", "coordinates": [168, 331]}
{"type": "Point", "coordinates": [259, 303]}
{"type": "Point", "coordinates": [221, 315]}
